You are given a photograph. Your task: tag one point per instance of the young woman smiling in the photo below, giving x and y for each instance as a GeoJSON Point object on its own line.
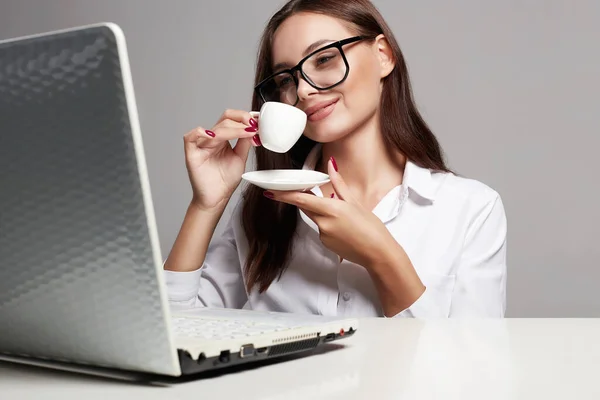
{"type": "Point", "coordinates": [394, 234]}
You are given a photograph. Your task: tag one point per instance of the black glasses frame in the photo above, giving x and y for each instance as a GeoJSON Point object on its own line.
{"type": "Point", "coordinates": [292, 71]}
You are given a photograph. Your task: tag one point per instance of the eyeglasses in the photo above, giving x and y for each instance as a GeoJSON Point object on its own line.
{"type": "Point", "coordinates": [322, 69]}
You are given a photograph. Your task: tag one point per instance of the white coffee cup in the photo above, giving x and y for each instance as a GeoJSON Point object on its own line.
{"type": "Point", "coordinates": [279, 125]}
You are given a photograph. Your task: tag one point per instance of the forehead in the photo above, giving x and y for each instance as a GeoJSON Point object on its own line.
{"type": "Point", "coordinates": [299, 31]}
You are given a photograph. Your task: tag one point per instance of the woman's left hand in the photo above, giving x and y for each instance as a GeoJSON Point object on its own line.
{"type": "Point", "coordinates": [345, 226]}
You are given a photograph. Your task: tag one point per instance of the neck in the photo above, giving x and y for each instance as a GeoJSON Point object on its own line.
{"type": "Point", "coordinates": [368, 168]}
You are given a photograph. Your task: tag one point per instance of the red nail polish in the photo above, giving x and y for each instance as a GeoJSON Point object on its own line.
{"type": "Point", "coordinates": [268, 194]}
{"type": "Point", "coordinates": [251, 129]}
{"type": "Point", "coordinates": [332, 195]}
{"type": "Point", "coordinates": [253, 123]}
{"type": "Point", "coordinates": [334, 164]}
{"type": "Point", "coordinates": [257, 140]}
{"type": "Point", "coordinates": [210, 133]}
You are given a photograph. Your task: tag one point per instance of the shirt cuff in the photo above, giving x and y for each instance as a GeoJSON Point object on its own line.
{"type": "Point", "coordinates": [182, 286]}
{"type": "Point", "coordinates": [424, 307]}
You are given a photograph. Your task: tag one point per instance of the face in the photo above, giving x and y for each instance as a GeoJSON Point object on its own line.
{"type": "Point", "coordinates": [338, 111]}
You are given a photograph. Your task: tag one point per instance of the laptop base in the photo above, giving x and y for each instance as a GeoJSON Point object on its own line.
{"type": "Point", "coordinates": [250, 354]}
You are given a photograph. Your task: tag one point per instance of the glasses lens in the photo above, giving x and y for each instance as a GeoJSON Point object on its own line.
{"type": "Point", "coordinates": [325, 68]}
{"type": "Point", "coordinates": [280, 88]}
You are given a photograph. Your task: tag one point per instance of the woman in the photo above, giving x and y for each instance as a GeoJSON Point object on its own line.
{"type": "Point", "coordinates": [394, 234]}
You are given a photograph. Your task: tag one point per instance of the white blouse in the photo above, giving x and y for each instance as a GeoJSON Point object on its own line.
{"type": "Point", "coordinates": [453, 229]}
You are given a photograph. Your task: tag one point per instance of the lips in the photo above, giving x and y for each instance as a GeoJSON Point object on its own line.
{"type": "Point", "coordinates": [319, 106]}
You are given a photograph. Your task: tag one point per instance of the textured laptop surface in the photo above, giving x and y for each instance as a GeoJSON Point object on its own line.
{"type": "Point", "coordinates": [78, 251]}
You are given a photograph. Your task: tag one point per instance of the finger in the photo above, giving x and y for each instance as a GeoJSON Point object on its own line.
{"type": "Point", "coordinates": [242, 148]}
{"type": "Point", "coordinates": [229, 123]}
{"type": "Point", "coordinates": [308, 191]}
{"type": "Point", "coordinates": [240, 116]}
{"type": "Point", "coordinates": [222, 133]}
{"type": "Point", "coordinates": [313, 216]}
{"type": "Point", "coordinates": [302, 200]}
{"type": "Point", "coordinates": [197, 137]}
{"type": "Point", "coordinates": [256, 141]}
{"type": "Point", "coordinates": [317, 219]}
{"type": "Point", "coordinates": [339, 185]}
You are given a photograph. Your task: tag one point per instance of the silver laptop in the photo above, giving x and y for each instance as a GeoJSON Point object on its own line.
{"type": "Point", "coordinates": [80, 265]}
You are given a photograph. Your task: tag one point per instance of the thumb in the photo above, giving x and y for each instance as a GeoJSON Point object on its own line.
{"type": "Point", "coordinates": [339, 185]}
{"type": "Point", "coordinates": [242, 148]}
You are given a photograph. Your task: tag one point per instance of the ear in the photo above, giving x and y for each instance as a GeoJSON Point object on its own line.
{"type": "Point", "coordinates": [385, 54]}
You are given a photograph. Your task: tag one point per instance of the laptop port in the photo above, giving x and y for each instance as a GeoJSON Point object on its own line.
{"type": "Point", "coordinates": [261, 350]}
{"type": "Point", "coordinates": [247, 350]}
{"type": "Point", "coordinates": [224, 356]}
{"type": "Point", "coordinates": [330, 337]}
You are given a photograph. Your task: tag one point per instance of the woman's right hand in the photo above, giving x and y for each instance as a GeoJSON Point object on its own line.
{"type": "Point", "coordinates": [214, 167]}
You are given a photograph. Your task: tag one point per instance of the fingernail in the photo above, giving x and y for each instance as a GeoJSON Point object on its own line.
{"type": "Point", "coordinates": [334, 164]}
{"type": "Point", "coordinates": [253, 123]}
{"type": "Point", "coordinates": [210, 133]}
{"type": "Point", "coordinates": [251, 129]}
{"type": "Point", "coordinates": [257, 140]}
{"type": "Point", "coordinates": [268, 194]}
{"type": "Point", "coordinates": [332, 195]}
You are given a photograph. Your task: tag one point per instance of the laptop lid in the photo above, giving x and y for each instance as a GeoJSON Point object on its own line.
{"type": "Point", "coordinates": [80, 264]}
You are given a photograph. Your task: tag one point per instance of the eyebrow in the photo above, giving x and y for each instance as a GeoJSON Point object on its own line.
{"type": "Point", "coordinates": [314, 46]}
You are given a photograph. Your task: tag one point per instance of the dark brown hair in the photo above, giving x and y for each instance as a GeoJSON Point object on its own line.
{"type": "Point", "coordinates": [402, 127]}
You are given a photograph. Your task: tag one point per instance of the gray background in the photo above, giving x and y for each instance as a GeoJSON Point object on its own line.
{"type": "Point", "coordinates": [511, 89]}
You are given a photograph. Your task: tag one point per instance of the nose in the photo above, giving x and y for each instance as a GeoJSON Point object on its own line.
{"type": "Point", "coordinates": [304, 88]}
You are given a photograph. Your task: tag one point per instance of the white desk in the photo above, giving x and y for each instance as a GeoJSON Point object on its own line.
{"type": "Point", "coordinates": [387, 359]}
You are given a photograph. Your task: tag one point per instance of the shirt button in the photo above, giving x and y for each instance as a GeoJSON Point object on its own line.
{"type": "Point", "coordinates": [346, 296]}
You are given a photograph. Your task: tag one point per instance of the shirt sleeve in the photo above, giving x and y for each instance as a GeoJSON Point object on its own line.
{"type": "Point", "coordinates": [480, 286]}
{"type": "Point", "coordinates": [218, 283]}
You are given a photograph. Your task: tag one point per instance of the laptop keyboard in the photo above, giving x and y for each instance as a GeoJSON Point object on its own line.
{"type": "Point", "coordinates": [216, 329]}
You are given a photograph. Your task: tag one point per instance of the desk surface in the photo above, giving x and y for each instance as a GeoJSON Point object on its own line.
{"type": "Point", "coordinates": [386, 359]}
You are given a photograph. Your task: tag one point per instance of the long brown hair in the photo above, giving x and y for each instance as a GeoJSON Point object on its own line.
{"type": "Point", "coordinates": [401, 124]}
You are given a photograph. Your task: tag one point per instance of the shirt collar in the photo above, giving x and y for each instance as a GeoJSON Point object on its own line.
{"type": "Point", "coordinates": [419, 180]}
{"type": "Point", "coordinates": [415, 178]}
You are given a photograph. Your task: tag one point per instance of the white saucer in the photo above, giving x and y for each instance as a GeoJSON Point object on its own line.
{"type": "Point", "coordinates": [286, 179]}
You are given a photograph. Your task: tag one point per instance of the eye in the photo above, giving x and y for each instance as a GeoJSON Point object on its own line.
{"type": "Point", "coordinates": [324, 59]}
{"type": "Point", "coordinates": [285, 81]}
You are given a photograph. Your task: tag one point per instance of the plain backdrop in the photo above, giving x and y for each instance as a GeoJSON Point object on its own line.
{"type": "Point", "coordinates": [511, 88]}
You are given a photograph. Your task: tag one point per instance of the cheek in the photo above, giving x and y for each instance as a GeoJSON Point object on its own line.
{"type": "Point", "coordinates": [361, 91]}
{"type": "Point", "coordinates": [359, 100]}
